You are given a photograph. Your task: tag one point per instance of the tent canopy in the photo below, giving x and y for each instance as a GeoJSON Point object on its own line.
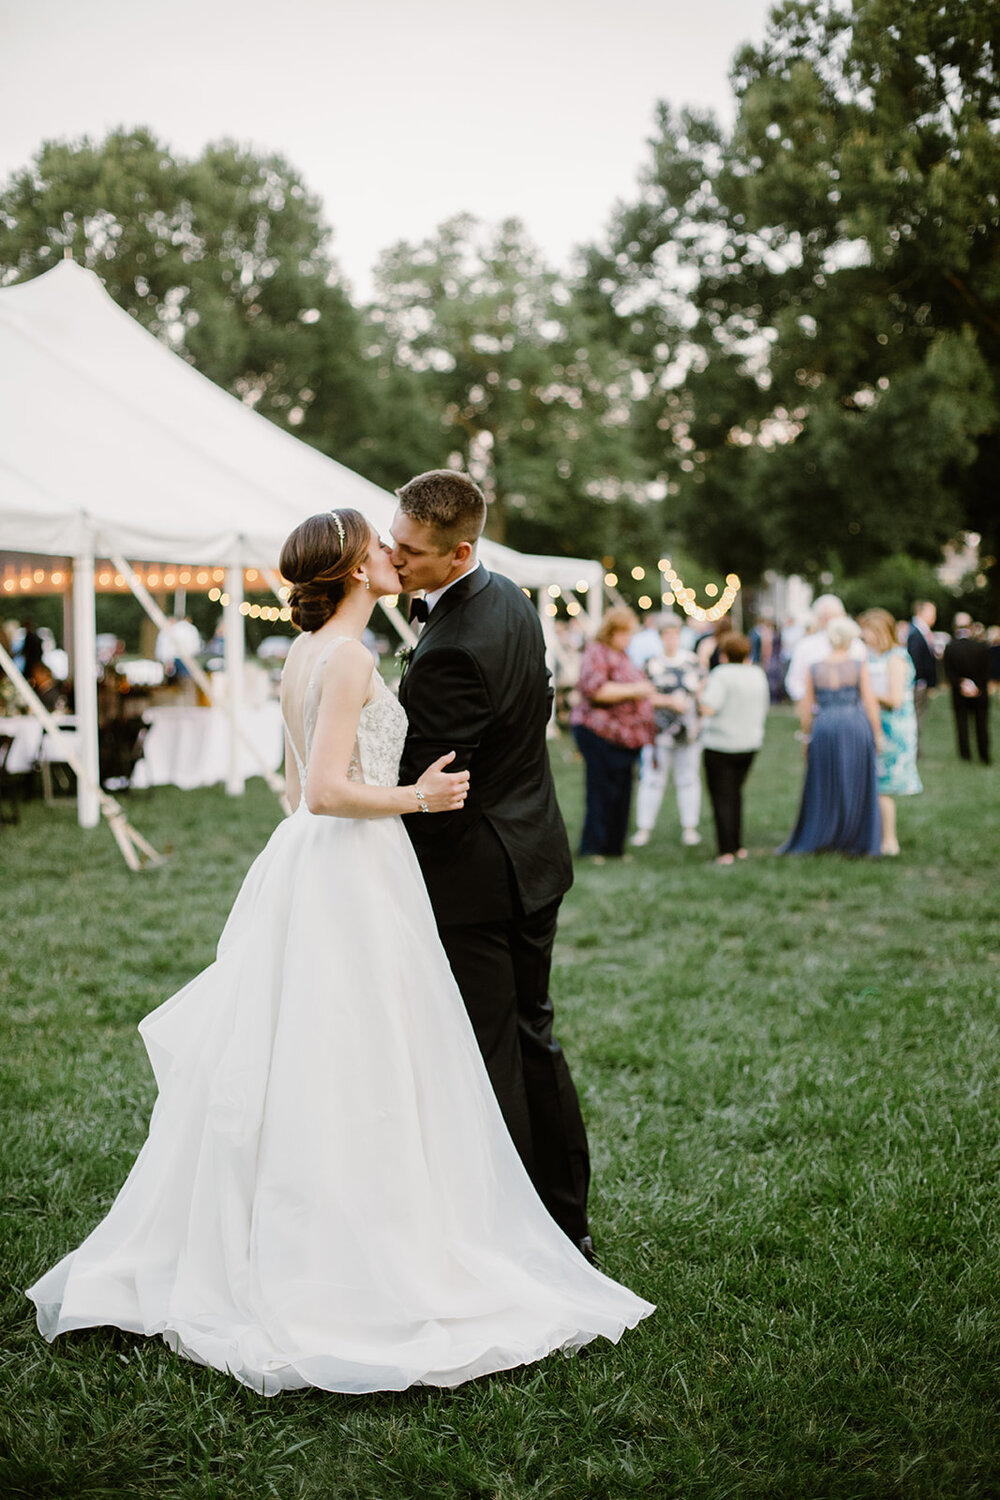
{"type": "Point", "coordinates": [111, 441]}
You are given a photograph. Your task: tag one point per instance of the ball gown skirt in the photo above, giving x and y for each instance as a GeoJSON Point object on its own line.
{"type": "Point", "coordinates": [328, 1195]}
{"type": "Point", "coordinates": [839, 808]}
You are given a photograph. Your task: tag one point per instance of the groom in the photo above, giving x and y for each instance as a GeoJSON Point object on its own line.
{"type": "Point", "coordinates": [496, 871]}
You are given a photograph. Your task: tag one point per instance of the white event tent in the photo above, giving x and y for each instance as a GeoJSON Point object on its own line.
{"type": "Point", "coordinates": [112, 446]}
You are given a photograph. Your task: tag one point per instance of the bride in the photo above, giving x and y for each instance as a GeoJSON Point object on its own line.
{"type": "Point", "coordinates": [327, 1195]}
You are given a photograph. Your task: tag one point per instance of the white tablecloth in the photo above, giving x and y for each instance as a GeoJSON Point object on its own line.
{"type": "Point", "coordinates": [27, 748]}
{"type": "Point", "coordinates": [189, 747]}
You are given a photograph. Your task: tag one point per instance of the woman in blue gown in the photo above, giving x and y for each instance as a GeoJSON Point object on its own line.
{"type": "Point", "coordinates": [840, 717]}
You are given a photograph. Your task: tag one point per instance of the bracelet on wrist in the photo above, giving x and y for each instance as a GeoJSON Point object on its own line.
{"type": "Point", "coordinates": [421, 799]}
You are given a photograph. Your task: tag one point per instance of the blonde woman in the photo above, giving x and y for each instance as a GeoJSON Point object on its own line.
{"type": "Point", "coordinates": [892, 675]}
{"type": "Point", "coordinates": [840, 718]}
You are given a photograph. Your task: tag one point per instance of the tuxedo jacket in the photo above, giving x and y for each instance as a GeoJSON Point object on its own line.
{"type": "Point", "coordinates": [923, 658]}
{"type": "Point", "coordinates": [966, 657]}
{"type": "Point", "coordinates": [477, 684]}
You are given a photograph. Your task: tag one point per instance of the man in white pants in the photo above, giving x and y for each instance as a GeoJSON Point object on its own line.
{"type": "Point", "coordinates": [677, 674]}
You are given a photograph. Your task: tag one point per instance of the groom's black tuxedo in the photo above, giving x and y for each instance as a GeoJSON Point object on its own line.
{"type": "Point", "coordinates": [477, 684]}
{"type": "Point", "coordinates": [496, 871]}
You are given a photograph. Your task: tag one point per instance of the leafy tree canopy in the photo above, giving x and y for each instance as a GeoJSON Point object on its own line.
{"type": "Point", "coordinates": [527, 393]}
{"type": "Point", "coordinates": [225, 258]}
{"type": "Point", "coordinates": [830, 390]}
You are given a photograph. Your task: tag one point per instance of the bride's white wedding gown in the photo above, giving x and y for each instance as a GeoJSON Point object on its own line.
{"type": "Point", "coordinates": [328, 1195]}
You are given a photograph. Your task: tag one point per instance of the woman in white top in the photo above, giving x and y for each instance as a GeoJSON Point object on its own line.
{"type": "Point", "coordinates": [734, 702]}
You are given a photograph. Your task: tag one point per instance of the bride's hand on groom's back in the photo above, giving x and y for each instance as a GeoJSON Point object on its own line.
{"type": "Point", "coordinates": [439, 790]}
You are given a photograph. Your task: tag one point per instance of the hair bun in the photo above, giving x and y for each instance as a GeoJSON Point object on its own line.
{"type": "Point", "coordinates": [311, 606]}
{"type": "Point", "coordinates": [318, 559]}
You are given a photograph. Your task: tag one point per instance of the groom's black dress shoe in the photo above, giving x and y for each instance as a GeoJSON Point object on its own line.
{"type": "Point", "coordinates": [586, 1249]}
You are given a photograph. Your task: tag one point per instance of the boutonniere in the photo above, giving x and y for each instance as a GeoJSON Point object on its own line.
{"type": "Point", "coordinates": [403, 654]}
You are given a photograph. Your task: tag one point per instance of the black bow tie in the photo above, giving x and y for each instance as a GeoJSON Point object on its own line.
{"type": "Point", "coordinates": [418, 610]}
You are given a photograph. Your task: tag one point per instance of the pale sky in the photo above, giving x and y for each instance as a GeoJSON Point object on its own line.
{"type": "Point", "coordinates": [397, 113]}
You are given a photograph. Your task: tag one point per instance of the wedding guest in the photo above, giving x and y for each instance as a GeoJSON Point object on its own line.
{"type": "Point", "coordinates": [839, 716]}
{"type": "Point", "coordinates": [766, 652]}
{"type": "Point", "coordinates": [707, 648]}
{"type": "Point", "coordinates": [677, 676]}
{"type": "Point", "coordinates": [646, 640]}
{"type": "Point", "coordinates": [816, 646]}
{"type": "Point", "coordinates": [734, 703]}
{"type": "Point", "coordinates": [32, 650]}
{"type": "Point", "coordinates": [611, 722]}
{"type": "Point", "coordinates": [568, 646]}
{"type": "Point", "coordinates": [993, 642]}
{"type": "Point", "coordinates": [792, 632]}
{"type": "Point", "coordinates": [966, 663]}
{"type": "Point", "coordinates": [890, 668]}
{"type": "Point", "coordinates": [920, 645]}
{"type": "Point", "coordinates": [179, 635]}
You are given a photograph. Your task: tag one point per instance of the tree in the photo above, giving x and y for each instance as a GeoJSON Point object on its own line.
{"type": "Point", "coordinates": [225, 258]}
{"type": "Point", "coordinates": [525, 392]}
{"type": "Point", "coordinates": [834, 396]}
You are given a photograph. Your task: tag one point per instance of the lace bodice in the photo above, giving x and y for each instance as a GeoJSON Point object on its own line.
{"type": "Point", "coordinates": [837, 684]}
{"type": "Point", "coordinates": [378, 744]}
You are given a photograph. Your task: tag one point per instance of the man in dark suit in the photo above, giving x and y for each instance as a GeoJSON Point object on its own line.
{"type": "Point", "coordinates": [967, 666]}
{"type": "Point", "coordinates": [477, 684]}
{"type": "Point", "coordinates": [920, 645]}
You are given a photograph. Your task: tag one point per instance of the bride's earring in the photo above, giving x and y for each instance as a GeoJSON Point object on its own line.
{"type": "Point", "coordinates": [367, 584]}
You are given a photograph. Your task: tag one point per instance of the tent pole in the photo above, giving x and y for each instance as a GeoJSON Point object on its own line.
{"type": "Point", "coordinates": [235, 653]}
{"type": "Point", "coordinates": [595, 602]}
{"type": "Point", "coordinates": [85, 688]}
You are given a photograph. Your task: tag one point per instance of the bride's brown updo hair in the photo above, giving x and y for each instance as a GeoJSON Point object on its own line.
{"type": "Point", "coordinates": [318, 564]}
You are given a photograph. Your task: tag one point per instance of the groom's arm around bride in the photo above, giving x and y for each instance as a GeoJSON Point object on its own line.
{"type": "Point", "coordinates": [496, 871]}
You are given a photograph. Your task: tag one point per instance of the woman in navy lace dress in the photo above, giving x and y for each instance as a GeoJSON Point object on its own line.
{"type": "Point", "coordinates": [839, 715]}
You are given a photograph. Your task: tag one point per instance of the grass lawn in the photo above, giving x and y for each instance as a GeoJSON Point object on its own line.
{"type": "Point", "coordinates": [790, 1074]}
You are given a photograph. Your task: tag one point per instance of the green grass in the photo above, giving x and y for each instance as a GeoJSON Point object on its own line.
{"type": "Point", "coordinates": [790, 1075]}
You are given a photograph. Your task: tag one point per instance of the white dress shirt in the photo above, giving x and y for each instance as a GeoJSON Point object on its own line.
{"type": "Point", "coordinates": [431, 599]}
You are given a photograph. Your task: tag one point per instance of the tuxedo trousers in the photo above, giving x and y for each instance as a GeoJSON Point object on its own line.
{"type": "Point", "coordinates": [978, 710]}
{"type": "Point", "coordinates": [502, 969]}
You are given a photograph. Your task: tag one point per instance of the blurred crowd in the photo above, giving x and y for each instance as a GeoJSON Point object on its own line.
{"type": "Point", "coordinates": [670, 702]}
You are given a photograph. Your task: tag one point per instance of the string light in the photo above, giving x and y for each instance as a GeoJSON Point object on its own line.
{"type": "Point", "coordinates": [41, 580]}
{"type": "Point", "coordinates": [686, 598]}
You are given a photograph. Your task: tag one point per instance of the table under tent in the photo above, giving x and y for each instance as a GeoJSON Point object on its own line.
{"type": "Point", "coordinates": [114, 449]}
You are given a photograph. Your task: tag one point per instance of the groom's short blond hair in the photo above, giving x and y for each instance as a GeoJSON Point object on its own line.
{"type": "Point", "coordinates": [449, 502]}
